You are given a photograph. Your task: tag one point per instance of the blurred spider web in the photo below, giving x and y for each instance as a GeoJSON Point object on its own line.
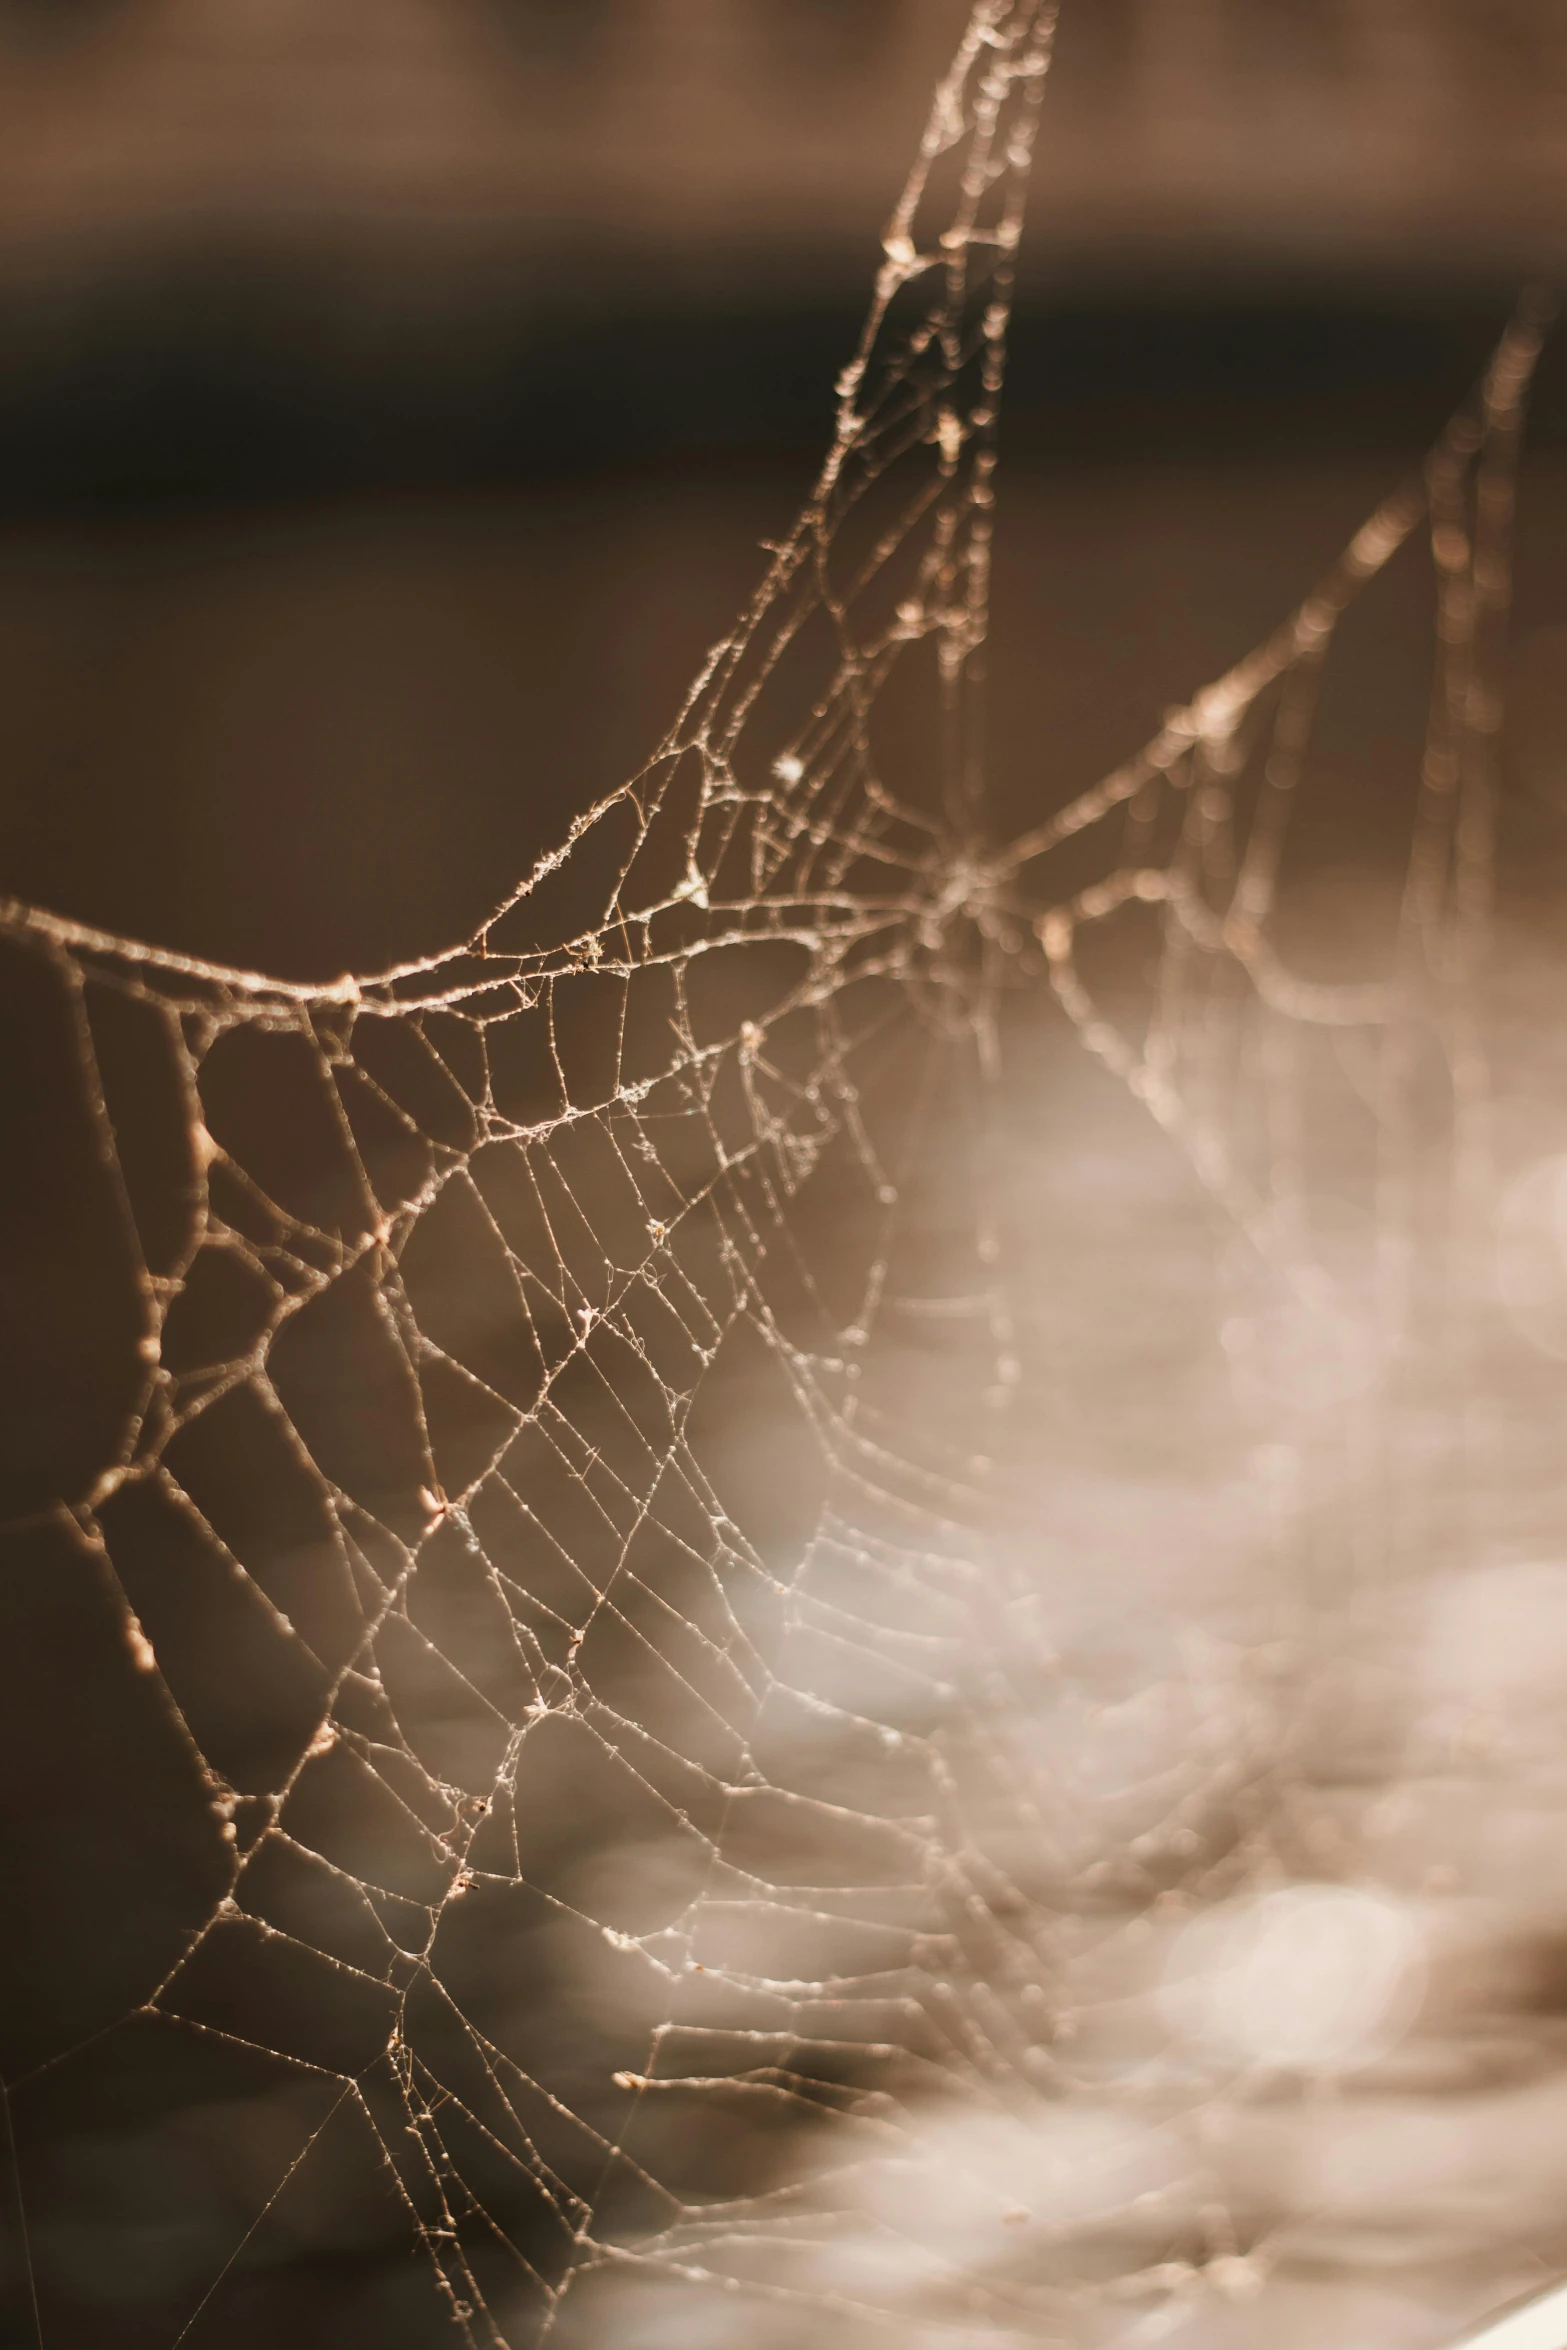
{"type": "Point", "coordinates": [508, 1613]}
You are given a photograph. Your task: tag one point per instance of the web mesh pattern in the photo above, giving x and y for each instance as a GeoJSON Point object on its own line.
{"type": "Point", "coordinates": [1228, 767]}
{"type": "Point", "coordinates": [530, 1520]}
{"type": "Point", "coordinates": [1287, 1089]}
{"type": "Point", "coordinates": [407, 1516]}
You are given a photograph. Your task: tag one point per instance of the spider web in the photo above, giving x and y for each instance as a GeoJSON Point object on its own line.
{"type": "Point", "coordinates": [1287, 1089]}
{"type": "Point", "coordinates": [512, 1566]}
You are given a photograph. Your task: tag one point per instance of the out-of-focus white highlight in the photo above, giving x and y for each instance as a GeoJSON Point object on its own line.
{"type": "Point", "coordinates": [1315, 1978]}
{"type": "Point", "coordinates": [1301, 1330]}
{"type": "Point", "coordinates": [1494, 1664]}
{"type": "Point", "coordinates": [1539, 2325]}
{"type": "Point", "coordinates": [1531, 1255]}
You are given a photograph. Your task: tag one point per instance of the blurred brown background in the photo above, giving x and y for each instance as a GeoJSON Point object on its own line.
{"type": "Point", "coordinates": [710, 140]}
{"type": "Point", "coordinates": [394, 400]}
{"type": "Point", "coordinates": [392, 396]}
